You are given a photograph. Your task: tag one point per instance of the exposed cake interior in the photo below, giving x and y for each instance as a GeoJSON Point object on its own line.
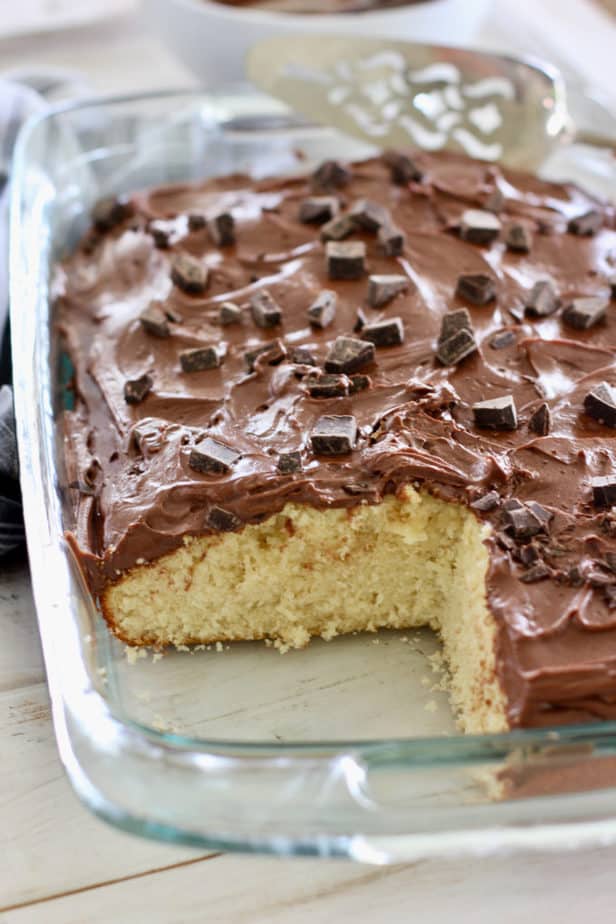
{"type": "Point", "coordinates": [410, 561]}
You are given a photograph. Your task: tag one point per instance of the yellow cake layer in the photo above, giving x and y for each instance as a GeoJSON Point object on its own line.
{"type": "Point", "coordinates": [407, 562]}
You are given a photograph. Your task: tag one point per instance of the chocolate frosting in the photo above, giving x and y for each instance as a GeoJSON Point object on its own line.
{"type": "Point", "coordinates": [137, 497]}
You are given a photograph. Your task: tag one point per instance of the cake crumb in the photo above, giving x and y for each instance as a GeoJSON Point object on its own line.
{"type": "Point", "coordinates": [157, 656]}
{"type": "Point", "coordinates": [135, 654]}
{"type": "Point", "coordinates": [219, 646]}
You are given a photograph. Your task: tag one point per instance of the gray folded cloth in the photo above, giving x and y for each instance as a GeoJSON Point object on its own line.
{"type": "Point", "coordinates": [21, 95]}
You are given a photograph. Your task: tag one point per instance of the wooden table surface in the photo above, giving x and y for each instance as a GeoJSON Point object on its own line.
{"type": "Point", "coordinates": [60, 865]}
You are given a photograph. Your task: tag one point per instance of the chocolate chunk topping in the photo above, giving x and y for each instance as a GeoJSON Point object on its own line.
{"type": "Point", "coordinates": [456, 347]}
{"type": "Point", "coordinates": [111, 211]}
{"type": "Point", "coordinates": [600, 403]}
{"type": "Point", "coordinates": [318, 209]}
{"type": "Point", "coordinates": [604, 490]}
{"type": "Point", "coordinates": [496, 413]}
{"type": "Point", "coordinates": [200, 359]}
{"type": "Point", "coordinates": [196, 221]}
{"type": "Point", "coordinates": [529, 553]}
{"type": "Point", "coordinates": [289, 462]}
{"type": "Point", "coordinates": [455, 321]}
{"type": "Point", "coordinates": [223, 520]}
{"type": "Point", "coordinates": [503, 339]}
{"type": "Point", "coordinates": [360, 321]}
{"type": "Point", "coordinates": [211, 456]}
{"type": "Point", "coordinates": [583, 313]}
{"type": "Point", "coordinates": [388, 332]}
{"type": "Point", "coordinates": [338, 228]}
{"type": "Point", "coordinates": [135, 390]}
{"type": "Point", "coordinates": [518, 237]}
{"type": "Point", "coordinates": [229, 313]}
{"type": "Point", "coordinates": [154, 320]}
{"type": "Point", "coordinates": [540, 421]}
{"type": "Point", "coordinates": [323, 310]}
{"type": "Point", "coordinates": [189, 274]}
{"type": "Point", "coordinates": [403, 169]}
{"type": "Point", "coordinates": [359, 383]}
{"type": "Point", "coordinates": [327, 386]}
{"type": "Point", "coordinates": [348, 354]}
{"type": "Point", "coordinates": [265, 311]}
{"type": "Point", "coordinates": [334, 435]}
{"type": "Point", "coordinates": [303, 357]}
{"type": "Point", "coordinates": [160, 233]}
{"type": "Point", "coordinates": [542, 300]}
{"type": "Point", "coordinates": [222, 229]}
{"type": "Point", "coordinates": [476, 288]}
{"type": "Point", "coordinates": [330, 175]}
{"type": "Point", "coordinates": [537, 572]}
{"type": "Point", "coordinates": [382, 289]}
{"type": "Point", "coordinates": [391, 240]}
{"type": "Point", "coordinates": [370, 216]}
{"type": "Point", "coordinates": [487, 502]}
{"type": "Point", "coordinates": [479, 227]}
{"type": "Point", "coordinates": [588, 223]}
{"type": "Point", "coordinates": [346, 260]}
{"type": "Point", "coordinates": [522, 523]}
{"type": "Point", "coordinates": [271, 353]}
{"type": "Point", "coordinates": [543, 515]}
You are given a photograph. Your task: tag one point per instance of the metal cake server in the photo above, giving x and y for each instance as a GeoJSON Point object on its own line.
{"type": "Point", "coordinates": [395, 94]}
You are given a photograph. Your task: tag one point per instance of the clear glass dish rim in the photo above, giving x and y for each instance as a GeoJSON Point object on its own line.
{"type": "Point", "coordinates": [73, 695]}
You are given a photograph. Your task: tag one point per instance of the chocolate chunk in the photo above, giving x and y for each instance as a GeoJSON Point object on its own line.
{"type": "Point", "coordinates": [337, 229]}
{"type": "Point", "coordinates": [542, 300]}
{"type": "Point", "coordinates": [583, 313]}
{"type": "Point", "coordinates": [357, 487]}
{"type": "Point", "coordinates": [368, 215]}
{"type": "Point", "coordinates": [289, 462]}
{"type": "Point", "coordinates": [111, 211]}
{"type": "Point", "coordinates": [265, 311]}
{"type": "Point", "coordinates": [529, 554]}
{"type": "Point", "coordinates": [543, 515]}
{"type": "Point", "coordinates": [327, 386]}
{"type": "Point", "coordinates": [303, 357]}
{"type": "Point", "coordinates": [391, 240]}
{"type": "Point", "coordinates": [318, 209]}
{"type": "Point", "coordinates": [135, 390]}
{"type": "Point", "coordinates": [487, 502]}
{"type": "Point", "coordinates": [604, 490]}
{"type": "Point", "coordinates": [172, 313]}
{"type": "Point", "coordinates": [155, 321]}
{"type": "Point", "coordinates": [189, 274]}
{"type": "Point", "coordinates": [496, 413]}
{"type": "Point", "coordinates": [222, 229]}
{"type": "Point", "coordinates": [200, 359]}
{"type": "Point", "coordinates": [346, 260]}
{"type": "Point", "coordinates": [223, 520]}
{"type": "Point", "coordinates": [537, 572]}
{"type": "Point", "coordinates": [456, 347]}
{"type": "Point", "coordinates": [334, 435]}
{"type": "Point", "coordinates": [586, 224]}
{"type": "Point", "coordinates": [503, 339]}
{"type": "Point", "coordinates": [403, 169]}
{"type": "Point", "coordinates": [518, 237]}
{"type": "Point", "coordinates": [211, 456]}
{"type": "Point", "coordinates": [196, 221]}
{"type": "Point", "coordinates": [479, 227]}
{"type": "Point", "coordinates": [382, 289]}
{"type": "Point", "coordinates": [330, 175]}
{"type": "Point", "coordinates": [522, 524]}
{"type": "Point", "coordinates": [600, 403]}
{"type": "Point", "coordinates": [540, 421]}
{"type": "Point", "coordinates": [229, 313]}
{"type": "Point", "coordinates": [323, 310]}
{"type": "Point", "coordinates": [348, 354]}
{"type": "Point", "coordinates": [388, 332]}
{"type": "Point", "coordinates": [360, 321]}
{"type": "Point", "coordinates": [513, 504]}
{"type": "Point", "coordinates": [455, 321]}
{"type": "Point", "coordinates": [271, 353]}
{"type": "Point", "coordinates": [161, 234]}
{"type": "Point", "coordinates": [359, 383]}
{"type": "Point", "coordinates": [476, 288]}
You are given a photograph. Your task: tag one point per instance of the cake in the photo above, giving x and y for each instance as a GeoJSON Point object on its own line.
{"type": "Point", "coordinates": [380, 395]}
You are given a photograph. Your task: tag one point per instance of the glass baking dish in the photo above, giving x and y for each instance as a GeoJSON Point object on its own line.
{"type": "Point", "coordinates": [345, 748]}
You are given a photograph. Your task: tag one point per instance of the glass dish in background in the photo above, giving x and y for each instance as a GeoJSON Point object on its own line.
{"type": "Point", "coordinates": [343, 748]}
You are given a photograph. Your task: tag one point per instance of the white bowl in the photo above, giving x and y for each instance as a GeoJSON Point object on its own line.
{"type": "Point", "coordinates": [212, 39]}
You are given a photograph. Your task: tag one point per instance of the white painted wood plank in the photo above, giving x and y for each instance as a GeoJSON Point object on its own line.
{"type": "Point", "coordinates": [21, 661]}
{"type": "Point", "coordinates": [49, 843]}
{"type": "Point", "coordinates": [232, 890]}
